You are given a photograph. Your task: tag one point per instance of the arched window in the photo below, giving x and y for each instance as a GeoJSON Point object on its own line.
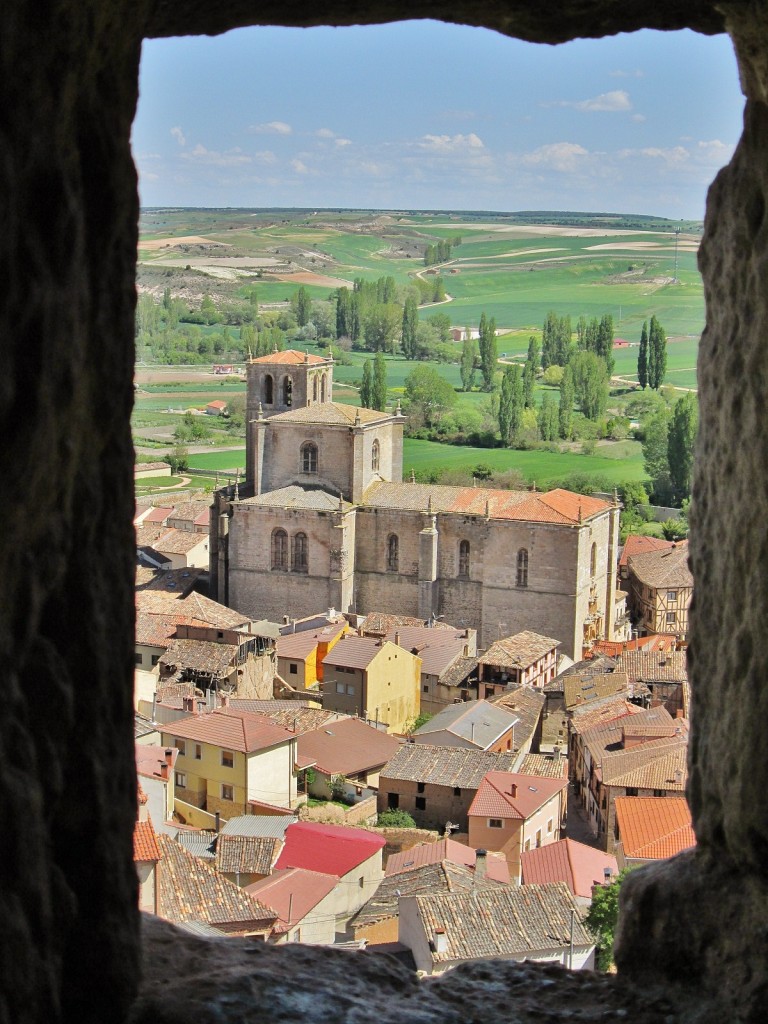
{"type": "Point", "coordinates": [287, 391]}
{"type": "Point", "coordinates": [522, 567]}
{"type": "Point", "coordinates": [269, 390]}
{"type": "Point", "coordinates": [314, 389]}
{"type": "Point", "coordinates": [299, 559]}
{"type": "Point", "coordinates": [279, 549]}
{"type": "Point", "coordinates": [375, 456]}
{"type": "Point", "coordinates": [393, 553]}
{"type": "Point", "coordinates": [322, 388]}
{"type": "Point", "coordinates": [309, 457]}
{"type": "Point", "coordinates": [593, 561]}
{"type": "Point", "coordinates": [464, 558]}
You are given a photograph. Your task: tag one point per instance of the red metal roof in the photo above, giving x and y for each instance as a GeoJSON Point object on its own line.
{"type": "Point", "coordinates": [292, 893]}
{"type": "Point", "coordinates": [347, 746]}
{"type": "Point", "coordinates": [329, 849]}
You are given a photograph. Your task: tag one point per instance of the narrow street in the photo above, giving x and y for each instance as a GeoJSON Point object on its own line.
{"type": "Point", "coordinates": [578, 827]}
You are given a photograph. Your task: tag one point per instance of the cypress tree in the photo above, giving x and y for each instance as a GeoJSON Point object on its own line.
{"type": "Point", "coordinates": [642, 357]}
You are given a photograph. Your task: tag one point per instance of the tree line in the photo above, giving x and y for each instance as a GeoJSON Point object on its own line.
{"type": "Point", "coordinates": [440, 251]}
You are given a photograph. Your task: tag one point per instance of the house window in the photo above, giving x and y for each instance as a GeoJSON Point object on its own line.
{"type": "Point", "coordinates": [456, 791]}
{"type": "Point", "coordinates": [549, 825]}
{"type": "Point", "coordinates": [671, 618]}
{"type": "Point", "coordinates": [393, 800]}
{"type": "Point", "coordinates": [659, 792]}
{"type": "Point", "coordinates": [538, 838]}
{"type": "Point", "coordinates": [299, 560]}
{"type": "Point", "coordinates": [522, 567]}
{"type": "Point", "coordinates": [137, 659]}
{"type": "Point", "coordinates": [181, 746]}
{"type": "Point", "coordinates": [671, 595]}
{"type": "Point", "coordinates": [630, 791]}
{"type": "Point", "coordinates": [527, 845]}
{"type": "Point", "coordinates": [350, 690]}
{"type": "Point", "coordinates": [227, 792]}
{"type": "Point", "coordinates": [287, 391]}
{"type": "Point", "coordinates": [279, 549]}
{"type": "Point", "coordinates": [425, 689]}
{"type": "Point", "coordinates": [227, 759]}
{"type": "Point", "coordinates": [593, 561]}
{"type": "Point", "coordinates": [393, 553]}
{"type": "Point", "coordinates": [419, 787]}
{"type": "Point", "coordinates": [155, 659]}
{"type": "Point", "coordinates": [309, 457]}
{"type": "Point", "coordinates": [361, 882]}
{"type": "Point", "coordinates": [314, 389]}
{"type": "Point", "coordinates": [269, 390]}
{"type": "Point", "coordinates": [339, 687]}
{"type": "Point", "coordinates": [464, 558]}
{"type": "Point", "coordinates": [293, 669]}
{"type": "Point", "coordinates": [375, 456]}
{"type": "Point", "coordinates": [421, 803]}
{"type": "Point", "coordinates": [181, 780]}
{"type": "Point", "coordinates": [496, 823]}
{"type": "Point", "coordinates": [322, 388]}
{"type": "Point", "coordinates": [198, 752]}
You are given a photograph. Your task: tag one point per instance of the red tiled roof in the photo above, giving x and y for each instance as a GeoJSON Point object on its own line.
{"type": "Point", "coordinates": [329, 849]}
{"type": "Point", "coordinates": [231, 729]}
{"type": "Point", "coordinates": [347, 747]}
{"type": "Point", "coordinates": [290, 357]}
{"type": "Point", "coordinates": [145, 846]}
{"type": "Point", "coordinates": [292, 893]}
{"type": "Point", "coordinates": [579, 866]}
{"type": "Point", "coordinates": [654, 828]}
{"type": "Point", "coordinates": [636, 544]}
{"type": "Point", "coordinates": [299, 645]}
{"type": "Point", "coordinates": [497, 868]}
{"type": "Point", "coordinates": [494, 797]}
{"type": "Point", "coordinates": [353, 651]}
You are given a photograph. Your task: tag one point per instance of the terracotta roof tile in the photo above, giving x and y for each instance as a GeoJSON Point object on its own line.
{"type": "Point", "coordinates": [520, 650]}
{"type": "Point", "coordinates": [663, 568]}
{"type": "Point", "coordinates": [290, 357]}
{"type": "Point", "coordinates": [636, 544]}
{"type": "Point", "coordinates": [447, 851]}
{"type": "Point", "coordinates": [444, 766]}
{"type": "Point", "coordinates": [579, 866]}
{"type": "Point", "coordinates": [512, 795]}
{"type": "Point", "coordinates": [200, 656]}
{"type": "Point", "coordinates": [333, 414]}
{"type": "Point", "coordinates": [354, 651]}
{"type": "Point", "coordinates": [231, 729]}
{"type": "Point", "coordinates": [292, 893]}
{"type": "Point", "coordinates": [654, 828]}
{"type": "Point", "coordinates": [253, 855]}
{"type": "Point", "coordinates": [189, 889]}
{"type": "Point", "coordinates": [547, 766]}
{"type": "Point", "coordinates": [510, 920]}
{"type": "Point", "coordinates": [347, 747]}
{"type": "Point", "coordinates": [145, 846]}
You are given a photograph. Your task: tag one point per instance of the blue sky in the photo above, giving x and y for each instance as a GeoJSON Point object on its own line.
{"type": "Point", "coordinates": [423, 115]}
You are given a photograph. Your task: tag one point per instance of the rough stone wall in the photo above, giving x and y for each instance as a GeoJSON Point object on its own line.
{"type": "Point", "coordinates": [693, 935]}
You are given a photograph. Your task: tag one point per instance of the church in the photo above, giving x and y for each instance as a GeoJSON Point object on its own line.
{"type": "Point", "coordinates": [324, 520]}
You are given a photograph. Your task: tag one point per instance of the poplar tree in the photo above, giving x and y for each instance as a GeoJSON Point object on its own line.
{"type": "Point", "coordinates": [488, 354]}
{"type": "Point", "coordinates": [642, 357]}
{"type": "Point", "coordinates": [366, 388]}
{"type": "Point", "coordinates": [511, 404]}
{"type": "Point", "coordinates": [657, 354]}
{"type": "Point", "coordinates": [379, 389]}
{"type": "Point", "coordinates": [566, 403]}
{"type": "Point", "coordinates": [410, 326]}
{"type": "Point", "coordinates": [467, 366]}
{"type": "Point", "coordinates": [680, 443]}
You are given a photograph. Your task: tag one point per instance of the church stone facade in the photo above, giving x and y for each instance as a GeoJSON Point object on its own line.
{"type": "Point", "coordinates": [324, 520]}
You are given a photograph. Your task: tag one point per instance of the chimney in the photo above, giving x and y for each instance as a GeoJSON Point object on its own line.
{"type": "Point", "coordinates": [169, 756]}
{"type": "Point", "coordinates": [679, 713]}
{"type": "Point", "coordinates": [188, 704]}
{"type": "Point", "coordinates": [513, 790]}
{"type": "Point", "coordinates": [217, 819]}
{"type": "Point", "coordinates": [440, 940]}
{"type": "Point", "coordinates": [397, 639]}
{"type": "Point", "coordinates": [224, 700]}
{"type": "Point", "coordinates": [481, 864]}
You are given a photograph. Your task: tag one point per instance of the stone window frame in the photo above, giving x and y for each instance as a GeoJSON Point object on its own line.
{"type": "Point", "coordinates": [268, 389]}
{"type": "Point", "coordinates": [375, 455]}
{"type": "Point", "coordinates": [593, 560]}
{"type": "Point", "coordinates": [309, 458]}
{"type": "Point", "coordinates": [521, 577]}
{"type": "Point", "coordinates": [287, 391]}
{"type": "Point", "coordinates": [393, 553]}
{"type": "Point", "coordinates": [227, 791]}
{"type": "Point", "coordinates": [279, 550]}
{"type": "Point", "coordinates": [300, 552]}
{"type": "Point", "coordinates": [464, 558]}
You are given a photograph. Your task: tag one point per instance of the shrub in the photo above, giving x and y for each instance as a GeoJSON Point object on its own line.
{"type": "Point", "coordinates": [394, 817]}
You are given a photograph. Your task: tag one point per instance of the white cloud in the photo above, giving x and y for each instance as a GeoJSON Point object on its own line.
{"type": "Point", "coordinates": [675, 156]}
{"type": "Point", "coordinates": [714, 152]}
{"type": "Point", "coordinates": [451, 143]}
{"type": "Point", "coordinates": [299, 166]}
{"type": "Point", "coordinates": [178, 134]}
{"type": "Point", "coordinates": [639, 118]}
{"type": "Point", "coordinates": [325, 133]}
{"type": "Point", "coordinates": [611, 102]}
{"type": "Point", "coordinates": [265, 156]}
{"type": "Point", "coordinates": [271, 128]}
{"type": "Point", "coordinates": [343, 142]}
{"type": "Point", "coordinates": [231, 158]}
{"type": "Point", "coordinates": [565, 157]}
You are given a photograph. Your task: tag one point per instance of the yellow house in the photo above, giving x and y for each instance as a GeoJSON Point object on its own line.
{"type": "Point", "coordinates": [227, 758]}
{"type": "Point", "coordinates": [300, 655]}
{"type": "Point", "coordinates": [373, 679]}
